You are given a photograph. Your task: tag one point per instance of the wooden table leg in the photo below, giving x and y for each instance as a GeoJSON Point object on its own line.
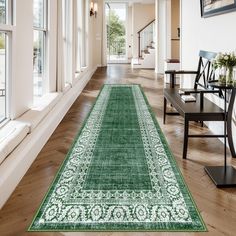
{"type": "Point", "coordinates": [229, 123]}
{"type": "Point", "coordinates": [186, 131]}
{"type": "Point", "coordinates": [164, 112]}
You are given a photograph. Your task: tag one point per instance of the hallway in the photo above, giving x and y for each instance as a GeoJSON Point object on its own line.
{"type": "Point", "coordinates": [215, 205]}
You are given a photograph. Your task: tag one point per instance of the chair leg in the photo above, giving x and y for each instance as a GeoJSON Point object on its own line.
{"type": "Point", "coordinates": [186, 130]}
{"type": "Point", "coordinates": [172, 81]}
{"type": "Point", "coordinates": [164, 112]}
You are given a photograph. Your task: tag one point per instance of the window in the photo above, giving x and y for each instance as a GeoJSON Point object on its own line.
{"type": "Point", "coordinates": [5, 63]}
{"type": "Point", "coordinates": [39, 52]}
{"type": "Point", "coordinates": [116, 24]}
{"type": "Point", "coordinates": [82, 34]}
{"type": "Point", "coordinates": [3, 11]}
{"type": "Point", "coordinates": [67, 31]}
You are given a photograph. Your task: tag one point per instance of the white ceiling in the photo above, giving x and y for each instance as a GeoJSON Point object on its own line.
{"type": "Point", "coordinates": [133, 1]}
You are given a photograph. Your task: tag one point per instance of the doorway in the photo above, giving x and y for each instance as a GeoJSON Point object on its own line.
{"type": "Point", "coordinates": [175, 29]}
{"type": "Point", "coordinates": [116, 18]}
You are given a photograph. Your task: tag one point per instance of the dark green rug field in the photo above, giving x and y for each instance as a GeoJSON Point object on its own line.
{"type": "Point", "coordinates": [119, 175]}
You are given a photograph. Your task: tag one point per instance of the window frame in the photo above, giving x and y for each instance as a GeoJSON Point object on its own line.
{"type": "Point", "coordinates": [8, 29]}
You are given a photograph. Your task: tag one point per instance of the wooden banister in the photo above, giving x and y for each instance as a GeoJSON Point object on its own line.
{"type": "Point", "coordinates": [139, 36]}
{"type": "Point", "coordinates": [146, 26]}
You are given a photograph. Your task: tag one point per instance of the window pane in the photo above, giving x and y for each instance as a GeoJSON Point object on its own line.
{"type": "Point", "coordinates": [78, 38]}
{"type": "Point", "coordinates": [3, 11]}
{"type": "Point", "coordinates": [39, 13]}
{"type": "Point", "coordinates": [116, 32]}
{"type": "Point", "coordinates": [82, 35]}
{"type": "Point", "coordinates": [2, 76]}
{"type": "Point", "coordinates": [38, 62]}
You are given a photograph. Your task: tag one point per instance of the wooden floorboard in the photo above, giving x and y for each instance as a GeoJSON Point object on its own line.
{"type": "Point", "coordinates": [217, 206]}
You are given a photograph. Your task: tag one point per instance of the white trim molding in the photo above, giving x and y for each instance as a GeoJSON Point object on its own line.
{"type": "Point", "coordinates": [19, 161]}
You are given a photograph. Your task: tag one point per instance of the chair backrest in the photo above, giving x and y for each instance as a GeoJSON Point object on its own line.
{"type": "Point", "coordinates": [205, 69]}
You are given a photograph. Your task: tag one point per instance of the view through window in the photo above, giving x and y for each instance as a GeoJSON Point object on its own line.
{"type": "Point", "coordinates": [67, 11]}
{"type": "Point", "coordinates": [2, 76]}
{"type": "Point", "coordinates": [3, 61]}
{"type": "Point", "coordinates": [40, 30]}
{"type": "Point", "coordinates": [82, 35]}
{"type": "Point", "coordinates": [116, 14]}
{"type": "Point", "coordinates": [3, 11]}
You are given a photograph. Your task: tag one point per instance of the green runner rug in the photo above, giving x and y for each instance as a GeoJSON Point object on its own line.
{"type": "Point", "coordinates": [119, 175]}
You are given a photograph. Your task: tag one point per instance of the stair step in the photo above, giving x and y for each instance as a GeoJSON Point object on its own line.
{"type": "Point", "coordinates": [146, 52]}
{"type": "Point", "coordinates": [136, 61]}
{"type": "Point", "coordinates": [151, 47]}
{"type": "Point", "coordinates": [146, 60]}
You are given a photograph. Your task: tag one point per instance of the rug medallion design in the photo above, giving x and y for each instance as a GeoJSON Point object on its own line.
{"type": "Point", "coordinates": [119, 175]}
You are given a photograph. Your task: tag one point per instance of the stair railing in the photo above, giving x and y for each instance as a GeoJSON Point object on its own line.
{"type": "Point", "coordinates": [146, 36]}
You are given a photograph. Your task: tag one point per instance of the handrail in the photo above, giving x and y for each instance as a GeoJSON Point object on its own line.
{"type": "Point", "coordinates": [139, 36]}
{"type": "Point", "coordinates": [146, 26]}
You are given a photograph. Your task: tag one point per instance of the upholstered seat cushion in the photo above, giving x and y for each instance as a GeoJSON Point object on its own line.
{"type": "Point", "coordinates": [10, 136]}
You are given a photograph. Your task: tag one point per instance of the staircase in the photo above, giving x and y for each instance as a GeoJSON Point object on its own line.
{"type": "Point", "coordinates": [147, 51]}
{"type": "Point", "coordinates": [147, 59]}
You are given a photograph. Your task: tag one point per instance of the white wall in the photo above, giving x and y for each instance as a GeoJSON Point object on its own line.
{"type": "Point", "coordinates": [175, 24]}
{"type": "Point", "coordinates": [142, 15]}
{"type": "Point", "coordinates": [99, 39]}
{"type": "Point", "coordinates": [212, 34]}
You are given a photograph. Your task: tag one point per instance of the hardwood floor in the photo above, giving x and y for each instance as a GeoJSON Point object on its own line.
{"type": "Point", "coordinates": [217, 206]}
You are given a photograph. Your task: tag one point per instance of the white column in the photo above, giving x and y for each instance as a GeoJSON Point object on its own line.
{"type": "Point", "coordinates": [22, 59]}
{"type": "Point", "coordinates": [104, 35]}
{"type": "Point", "coordinates": [74, 39]}
{"type": "Point", "coordinates": [163, 33]}
{"type": "Point", "coordinates": [168, 28]}
{"type": "Point", "coordinates": [156, 36]}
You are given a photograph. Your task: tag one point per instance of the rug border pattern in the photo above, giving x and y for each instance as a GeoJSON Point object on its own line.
{"type": "Point", "coordinates": [131, 226]}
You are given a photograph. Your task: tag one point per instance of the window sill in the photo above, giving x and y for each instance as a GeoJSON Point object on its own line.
{"type": "Point", "coordinates": [67, 87]}
{"type": "Point", "coordinates": [4, 122]}
{"type": "Point", "coordinates": [11, 136]}
{"type": "Point", "coordinates": [40, 109]}
{"type": "Point", "coordinates": [80, 74]}
{"type": "Point", "coordinates": [13, 132]}
{"type": "Point", "coordinates": [84, 69]}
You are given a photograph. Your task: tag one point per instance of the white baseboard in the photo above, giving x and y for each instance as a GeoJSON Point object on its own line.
{"type": "Point", "coordinates": [19, 161]}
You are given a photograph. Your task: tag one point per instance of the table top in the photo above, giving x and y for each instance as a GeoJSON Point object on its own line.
{"type": "Point", "coordinates": [208, 111]}
{"type": "Point", "coordinates": [216, 84]}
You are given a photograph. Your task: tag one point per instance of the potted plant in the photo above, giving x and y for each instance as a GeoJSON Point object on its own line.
{"type": "Point", "coordinates": [225, 63]}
